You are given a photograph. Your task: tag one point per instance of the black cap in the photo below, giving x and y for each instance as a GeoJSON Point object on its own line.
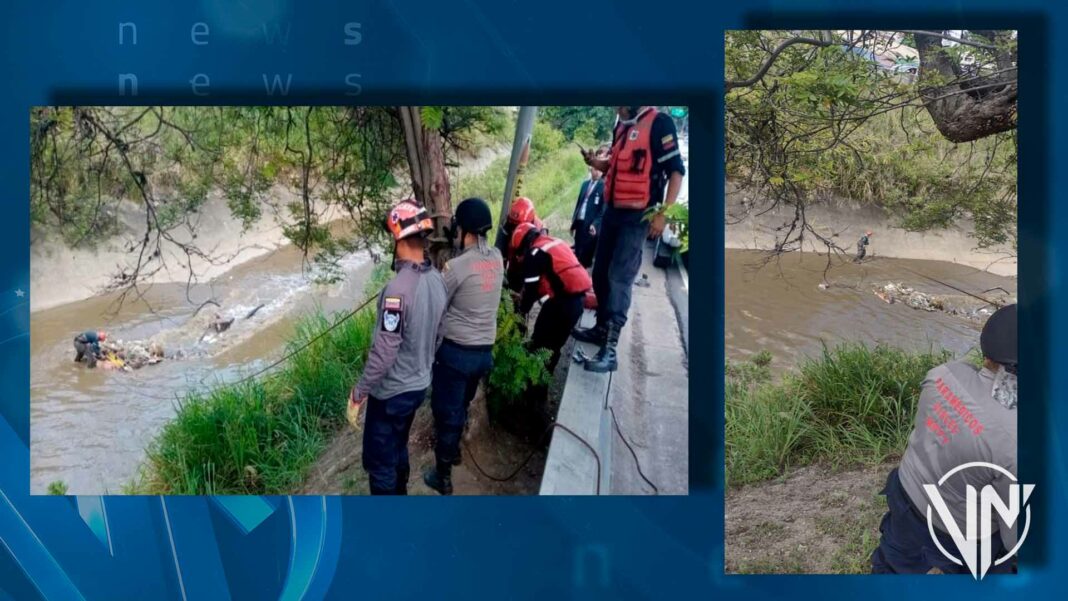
{"type": "Point", "coordinates": [473, 215]}
{"type": "Point", "coordinates": [998, 340]}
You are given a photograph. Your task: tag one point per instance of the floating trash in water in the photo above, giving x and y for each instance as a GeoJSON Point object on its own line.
{"type": "Point", "coordinates": [959, 305]}
{"type": "Point", "coordinates": [127, 355]}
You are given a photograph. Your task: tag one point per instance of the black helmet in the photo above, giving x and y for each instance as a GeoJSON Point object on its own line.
{"type": "Point", "coordinates": [998, 340]}
{"type": "Point", "coordinates": [473, 216]}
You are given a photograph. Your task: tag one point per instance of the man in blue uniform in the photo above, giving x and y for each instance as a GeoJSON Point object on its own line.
{"type": "Point", "coordinates": [397, 372]}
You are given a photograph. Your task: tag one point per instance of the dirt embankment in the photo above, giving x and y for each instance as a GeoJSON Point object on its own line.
{"type": "Point", "coordinates": [812, 521]}
{"type": "Point", "coordinates": [498, 451]}
{"type": "Point", "coordinates": [748, 227]}
{"type": "Point", "coordinates": [60, 275]}
{"type": "Point", "coordinates": [339, 470]}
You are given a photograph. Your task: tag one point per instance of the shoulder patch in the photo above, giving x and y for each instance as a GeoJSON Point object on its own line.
{"type": "Point", "coordinates": [667, 141]}
{"type": "Point", "coordinates": [392, 312]}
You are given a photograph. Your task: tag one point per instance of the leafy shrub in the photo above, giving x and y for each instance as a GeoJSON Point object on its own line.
{"type": "Point", "coordinates": [546, 140]}
{"type": "Point", "coordinates": [515, 368]}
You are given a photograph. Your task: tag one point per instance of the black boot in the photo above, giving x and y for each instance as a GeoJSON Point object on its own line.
{"type": "Point", "coordinates": [595, 335]}
{"type": "Point", "coordinates": [606, 360]}
{"type": "Point", "coordinates": [402, 480]}
{"type": "Point", "coordinates": [439, 478]}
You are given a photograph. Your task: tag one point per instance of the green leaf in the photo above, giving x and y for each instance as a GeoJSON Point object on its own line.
{"type": "Point", "coordinates": [432, 116]}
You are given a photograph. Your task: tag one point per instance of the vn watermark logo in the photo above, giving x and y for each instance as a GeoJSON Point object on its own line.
{"type": "Point", "coordinates": [974, 543]}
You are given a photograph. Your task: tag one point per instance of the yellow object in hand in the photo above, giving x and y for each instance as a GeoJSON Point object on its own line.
{"type": "Point", "coordinates": [353, 415]}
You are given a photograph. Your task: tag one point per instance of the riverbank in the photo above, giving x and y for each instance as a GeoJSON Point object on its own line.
{"type": "Point", "coordinates": [806, 455]}
{"type": "Point", "coordinates": [60, 275]}
{"type": "Point", "coordinates": [749, 227]}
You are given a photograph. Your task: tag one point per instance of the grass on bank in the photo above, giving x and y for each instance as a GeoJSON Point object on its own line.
{"type": "Point", "coordinates": [261, 436]}
{"type": "Point", "coordinates": [851, 404]}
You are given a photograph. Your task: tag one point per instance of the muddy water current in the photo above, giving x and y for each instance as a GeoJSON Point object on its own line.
{"type": "Point", "coordinates": [782, 308]}
{"type": "Point", "coordinates": [89, 427]}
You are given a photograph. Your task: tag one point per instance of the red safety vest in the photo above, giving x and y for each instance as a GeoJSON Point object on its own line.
{"type": "Point", "coordinates": [572, 276]}
{"type": "Point", "coordinates": [629, 178]}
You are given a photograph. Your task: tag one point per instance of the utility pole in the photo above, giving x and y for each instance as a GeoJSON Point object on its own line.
{"type": "Point", "coordinates": [524, 128]}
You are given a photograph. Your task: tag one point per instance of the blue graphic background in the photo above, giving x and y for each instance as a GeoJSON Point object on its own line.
{"type": "Point", "coordinates": [546, 52]}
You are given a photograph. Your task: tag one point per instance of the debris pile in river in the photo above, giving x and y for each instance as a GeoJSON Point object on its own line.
{"type": "Point", "coordinates": [891, 293]}
{"type": "Point", "coordinates": [127, 355]}
{"type": "Point", "coordinates": [959, 305]}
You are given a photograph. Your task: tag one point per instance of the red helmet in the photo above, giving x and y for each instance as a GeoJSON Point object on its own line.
{"type": "Point", "coordinates": [408, 219]}
{"type": "Point", "coordinates": [518, 235]}
{"type": "Point", "coordinates": [521, 211]}
{"type": "Point", "coordinates": [102, 335]}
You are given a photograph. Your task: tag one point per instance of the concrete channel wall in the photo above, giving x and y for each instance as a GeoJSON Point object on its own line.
{"type": "Point", "coordinates": [648, 397]}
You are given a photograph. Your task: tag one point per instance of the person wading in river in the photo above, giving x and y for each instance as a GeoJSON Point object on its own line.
{"type": "Point", "coordinates": [964, 414]}
{"type": "Point", "coordinates": [398, 368]}
{"type": "Point", "coordinates": [87, 347]}
{"type": "Point", "coordinates": [473, 281]}
{"type": "Point", "coordinates": [862, 247]}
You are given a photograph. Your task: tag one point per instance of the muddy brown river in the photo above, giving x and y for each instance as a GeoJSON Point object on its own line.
{"type": "Point", "coordinates": [89, 427]}
{"type": "Point", "coordinates": [781, 307]}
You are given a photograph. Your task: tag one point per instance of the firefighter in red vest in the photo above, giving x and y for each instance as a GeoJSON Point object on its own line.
{"type": "Point", "coordinates": [521, 211]}
{"type": "Point", "coordinates": [644, 158]}
{"type": "Point", "coordinates": [553, 274]}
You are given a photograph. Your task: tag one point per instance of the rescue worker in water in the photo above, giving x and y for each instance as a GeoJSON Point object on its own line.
{"type": "Point", "coordinates": [87, 346]}
{"type": "Point", "coordinates": [398, 368]}
{"type": "Point", "coordinates": [473, 282]}
{"type": "Point", "coordinates": [644, 157]}
{"type": "Point", "coordinates": [862, 246]}
{"type": "Point", "coordinates": [964, 414]}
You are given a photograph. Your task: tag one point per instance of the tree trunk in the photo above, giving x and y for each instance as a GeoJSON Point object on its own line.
{"type": "Point", "coordinates": [430, 178]}
{"type": "Point", "coordinates": [964, 106]}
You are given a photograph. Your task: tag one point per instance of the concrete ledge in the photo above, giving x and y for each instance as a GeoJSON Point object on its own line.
{"type": "Point", "coordinates": [570, 467]}
{"type": "Point", "coordinates": [649, 395]}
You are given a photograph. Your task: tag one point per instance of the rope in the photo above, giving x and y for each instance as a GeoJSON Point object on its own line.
{"type": "Point", "coordinates": [524, 463]}
{"type": "Point", "coordinates": [304, 346]}
{"type": "Point", "coordinates": [962, 291]}
{"type": "Point", "coordinates": [619, 430]}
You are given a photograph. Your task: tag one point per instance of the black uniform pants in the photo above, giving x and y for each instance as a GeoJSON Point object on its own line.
{"type": "Point", "coordinates": [905, 544]}
{"type": "Point", "coordinates": [616, 263]}
{"type": "Point", "coordinates": [84, 350]}
{"type": "Point", "coordinates": [558, 317]}
{"type": "Point", "coordinates": [457, 372]}
{"type": "Point", "coordinates": [385, 441]}
{"type": "Point", "coordinates": [585, 243]}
